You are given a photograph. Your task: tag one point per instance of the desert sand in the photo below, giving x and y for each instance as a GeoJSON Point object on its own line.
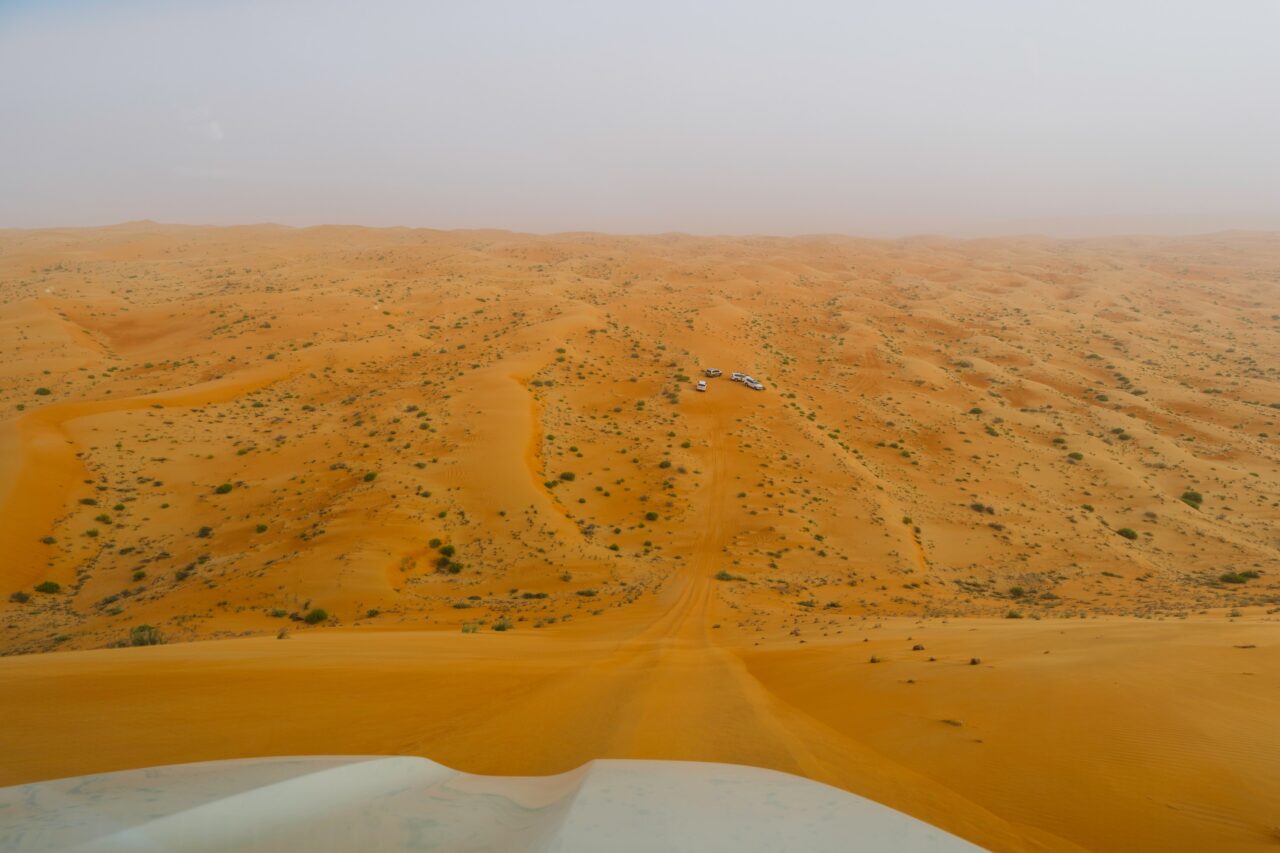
{"type": "Point", "coordinates": [998, 545]}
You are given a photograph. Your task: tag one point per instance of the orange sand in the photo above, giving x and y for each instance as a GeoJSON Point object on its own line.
{"type": "Point", "coordinates": [1132, 706]}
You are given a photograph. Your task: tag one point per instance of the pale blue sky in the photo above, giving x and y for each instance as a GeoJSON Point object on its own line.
{"type": "Point", "coordinates": [875, 118]}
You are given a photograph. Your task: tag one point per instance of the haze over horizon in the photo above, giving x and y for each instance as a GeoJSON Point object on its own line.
{"type": "Point", "coordinates": [876, 120]}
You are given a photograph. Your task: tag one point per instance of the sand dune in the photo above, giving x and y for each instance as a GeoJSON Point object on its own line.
{"type": "Point", "coordinates": [481, 456]}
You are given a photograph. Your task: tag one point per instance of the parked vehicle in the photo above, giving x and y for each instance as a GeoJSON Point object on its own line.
{"type": "Point", "coordinates": [702, 385]}
{"type": "Point", "coordinates": [754, 385]}
{"type": "Point", "coordinates": [737, 377]}
{"type": "Point", "coordinates": [712, 371]}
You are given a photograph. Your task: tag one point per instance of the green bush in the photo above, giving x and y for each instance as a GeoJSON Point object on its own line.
{"type": "Point", "coordinates": [19, 597]}
{"type": "Point", "coordinates": [568, 476]}
{"type": "Point", "coordinates": [223, 489]}
{"type": "Point", "coordinates": [371, 476]}
{"type": "Point", "coordinates": [145, 635]}
{"type": "Point", "coordinates": [650, 516]}
{"type": "Point", "coordinates": [43, 392]}
{"type": "Point", "coordinates": [49, 587]}
{"type": "Point", "coordinates": [316, 616]}
{"type": "Point", "coordinates": [1128, 533]}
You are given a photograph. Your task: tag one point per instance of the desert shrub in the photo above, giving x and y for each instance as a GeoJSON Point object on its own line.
{"type": "Point", "coordinates": [260, 528]}
{"type": "Point", "coordinates": [1013, 614]}
{"type": "Point", "coordinates": [587, 593]}
{"type": "Point", "coordinates": [49, 587]}
{"type": "Point", "coordinates": [49, 540]}
{"type": "Point", "coordinates": [650, 516]}
{"type": "Point", "coordinates": [974, 661]}
{"type": "Point", "coordinates": [204, 532]}
{"type": "Point", "coordinates": [918, 647]}
{"type": "Point", "coordinates": [1017, 591]}
{"type": "Point", "coordinates": [19, 597]}
{"type": "Point", "coordinates": [1128, 533]}
{"type": "Point", "coordinates": [371, 476]}
{"type": "Point", "coordinates": [502, 625]}
{"type": "Point", "coordinates": [369, 614]}
{"type": "Point", "coordinates": [223, 489]}
{"type": "Point", "coordinates": [43, 392]}
{"type": "Point", "coordinates": [724, 575]}
{"type": "Point", "coordinates": [447, 550]}
{"type": "Point", "coordinates": [145, 635]}
{"type": "Point", "coordinates": [874, 659]}
{"type": "Point", "coordinates": [568, 476]}
{"type": "Point", "coordinates": [1193, 499]}
{"type": "Point", "coordinates": [315, 616]}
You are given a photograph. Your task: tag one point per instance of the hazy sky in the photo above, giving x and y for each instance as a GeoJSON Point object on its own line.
{"type": "Point", "coordinates": [779, 117]}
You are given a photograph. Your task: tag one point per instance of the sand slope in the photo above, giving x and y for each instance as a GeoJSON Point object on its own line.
{"type": "Point", "coordinates": [481, 455]}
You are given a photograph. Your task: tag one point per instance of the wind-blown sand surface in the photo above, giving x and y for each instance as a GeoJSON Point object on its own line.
{"type": "Point", "coordinates": [481, 455]}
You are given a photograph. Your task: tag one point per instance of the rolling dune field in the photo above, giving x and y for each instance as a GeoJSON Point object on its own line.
{"type": "Point", "coordinates": [998, 545]}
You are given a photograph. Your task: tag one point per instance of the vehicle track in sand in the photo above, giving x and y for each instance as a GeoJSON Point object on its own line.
{"type": "Point", "coordinates": [668, 690]}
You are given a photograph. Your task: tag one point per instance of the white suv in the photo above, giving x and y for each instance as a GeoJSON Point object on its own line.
{"type": "Point", "coordinates": [712, 371]}
{"type": "Point", "coordinates": [702, 385]}
{"type": "Point", "coordinates": [737, 377]}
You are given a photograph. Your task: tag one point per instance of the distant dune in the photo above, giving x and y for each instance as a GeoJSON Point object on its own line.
{"type": "Point", "coordinates": [997, 545]}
